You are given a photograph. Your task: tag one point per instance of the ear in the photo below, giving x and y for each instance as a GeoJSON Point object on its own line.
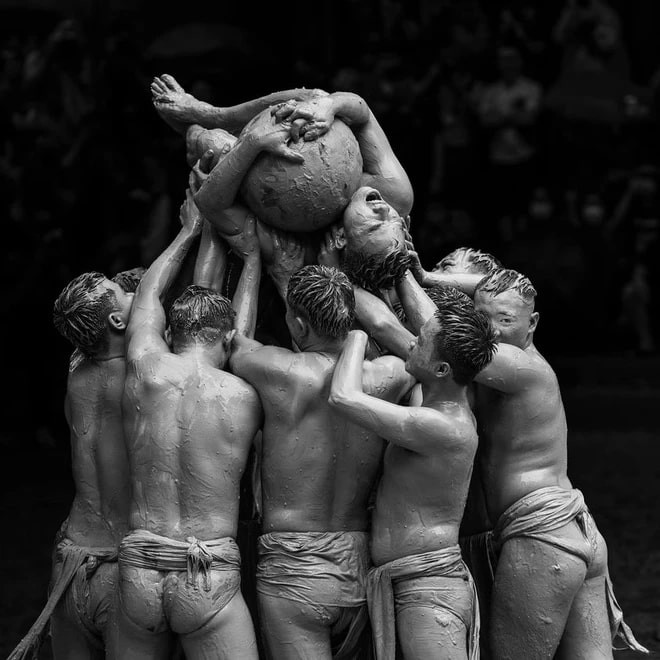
{"type": "Point", "coordinates": [116, 321]}
{"type": "Point", "coordinates": [443, 370]}
{"type": "Point", "coordinates": [301, 325]}
{"type": "Point", "coordinates": [168, 336]}
{"type": "Point", "coordinates": [229, 337]}
{"type": "Point", "coordinates": [340, 238]}
{"type": "Point", "coordinates": [533, 321]}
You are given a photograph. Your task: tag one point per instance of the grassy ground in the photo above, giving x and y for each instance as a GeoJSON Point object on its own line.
{"type": "Point", "coordinates": [614, 458]}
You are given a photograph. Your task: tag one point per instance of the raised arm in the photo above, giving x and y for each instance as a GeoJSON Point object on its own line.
{"type": "Point", "coordinates": [221, 187]}
{"type": "Point", "coordinates": [146, 326]}
{"type": "Point", "coordinates": [381, 168]}
{"type": "Point", "coordinates": [246, 246]}
{"type": "Point", "coordinates": [211, 263]}
{"type": "Point", "coordinates": [381, 323]}
{"type": "Point", "coordinates": [283, 253]}
{"type": "Point", "coordinates": [411, 428]}
{"type": "Point", "coordinates": [418, 307]}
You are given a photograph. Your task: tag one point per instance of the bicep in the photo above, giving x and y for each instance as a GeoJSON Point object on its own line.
{"type": "Point", "coordinates": [145, 337]}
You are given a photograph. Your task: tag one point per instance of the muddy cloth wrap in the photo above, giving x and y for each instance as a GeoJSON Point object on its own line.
{"type": "Point", "coordinates": [74, 568]}
{"type": "Point", "coordinates": [406, 575]}
{"type": "Point", "coordinates": [538, 515]}
{"type": "Point", "coordinates": [324, 570]}
{"type": "Point", "coordinates": [143, 549]}
{"type": "Point", "coordinates": [479, 555]}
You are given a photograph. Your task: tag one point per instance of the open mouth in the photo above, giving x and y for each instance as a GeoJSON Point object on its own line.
{"type": "Point", "coordinates": [373, 196]}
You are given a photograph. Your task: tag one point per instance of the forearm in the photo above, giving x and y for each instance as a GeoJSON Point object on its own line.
{"type": "Point", "coordinates": [347, 377]}
{"type": "Point", "coordinates": [418, 307]}
{"type": "Point", "coordinates": [280, 280]}
{"type": "Point", "coordinates": [246, 297]}
{"type": "Point", "coordinates": [163, 271]}
{"type": "Point", "coordinates": [211, 262]}
{"type": "Point", "coordinates": [220, 189]}
{"type": "Point", "coordinates": [235, 117]}
{"type": "Point", "coordinates": [381, 323]}
{"type": "Point", "coordinates": [350, 108]}
{"type": "Point", "coordinates": [465, 282]}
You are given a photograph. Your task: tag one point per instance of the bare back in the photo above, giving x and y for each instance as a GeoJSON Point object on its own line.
{"type": "Point", "coordinates": [189, 428]}
{"type": "Point", "coordinates": [524, 436]}
{"type": "Point", "coordinates": [318, 468]}
{"type": "Point", "coordinates": [99, 513]}
{"type": "Point", "coordinates": [422, 494]}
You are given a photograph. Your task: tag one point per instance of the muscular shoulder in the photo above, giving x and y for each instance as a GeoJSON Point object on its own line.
{"type": "Point", "coordinates": [386, 377]}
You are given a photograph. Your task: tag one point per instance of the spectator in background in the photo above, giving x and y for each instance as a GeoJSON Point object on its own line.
{"type": "Point", "coordinates": [508, 109]}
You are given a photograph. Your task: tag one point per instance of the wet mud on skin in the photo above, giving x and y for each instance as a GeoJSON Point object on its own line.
{"type": "Point", "coordinates": [614, 454]}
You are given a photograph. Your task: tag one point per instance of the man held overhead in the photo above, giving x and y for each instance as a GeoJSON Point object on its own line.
{"type": "Point", "coordinates": [318, 468]}
{"type": "Point", "coordinates": [419, 580]}
{"type": "Point", "coordinates": [189, 427]}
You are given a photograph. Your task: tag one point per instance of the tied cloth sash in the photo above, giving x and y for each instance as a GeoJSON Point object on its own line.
{"type": "Point", "coordinates": [144, 549]}
{"type": "Point", "coordinates": [70, 559]}
{"type": "Point", "coordinates": [446, 562]}
{"type": "Point", "coordinates": [545, 510]}
{"type": "Point", "coordinates": [321, 569]}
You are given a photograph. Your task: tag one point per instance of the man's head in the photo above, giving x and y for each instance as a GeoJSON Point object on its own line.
{"type": "Point", "coordinates": [90, 310]}
{"type": "Point", "coordinates": [447, 296]}
{"type": "Point", "coordinates": [129, 279]}
{"type": "Point", "coordinates": [467, 260]}
{"type": "Point", "coordinates": [201, 316]}
{"type": "Point", "coordinates": [457, 341]}
{"type": "Point", "coordinates": [507, 298]}
{"type": "Point", "coordinates": [319, 299]}
{"type": "Point", "coordinates": [376, 256]}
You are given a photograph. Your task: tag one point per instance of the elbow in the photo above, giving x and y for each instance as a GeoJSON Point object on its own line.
{"type": "Point", "coordinates": [337, 398]}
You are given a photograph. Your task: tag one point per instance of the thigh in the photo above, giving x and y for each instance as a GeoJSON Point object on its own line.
{"type": "Point", "coordinates": [425, 632]}
{"type": "Point", "coordinates": [68, 639]}
{"type": "Point", "coordinates": [295, 630]}
{"type": "Point", "coordinates": [229, 635]}
{"type": "Point", "coordinates": [535, 584]}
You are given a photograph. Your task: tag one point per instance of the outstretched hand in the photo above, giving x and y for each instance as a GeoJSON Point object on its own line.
{"type": "Point", "coordinates": [200, 170]}
{"type": "Point", "coordinates": [189, 214]}
{"type": "Point", "coordinates": [309, 119]}
{"type": "Point", "coordinates": [274, 136]}
{"type": "Point", "coordinates": [329, 252]}
{"type": "Point", "coordinates": [283, 253]}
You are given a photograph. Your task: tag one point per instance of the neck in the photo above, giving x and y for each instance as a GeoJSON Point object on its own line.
{"type": "Point", "coordinates": [316, 344]}
{"type": "Point", "coordinates": [116, 349]}
{"type": "Point", "coordinates": [443, 390]}
{"type": "Point", "coordinates": [202, 354]}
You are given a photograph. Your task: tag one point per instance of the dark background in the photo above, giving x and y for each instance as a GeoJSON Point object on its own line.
{"type": "Point", "coordinates": [92, 179]}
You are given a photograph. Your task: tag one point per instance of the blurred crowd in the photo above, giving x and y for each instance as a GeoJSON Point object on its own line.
{"type": "Point", "coordinates": [527, 131]}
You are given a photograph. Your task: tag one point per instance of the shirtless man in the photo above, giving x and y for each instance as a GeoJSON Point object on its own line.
{"type": "Point", "coordinates": [318, 468]}
{"type": "Point", "coordinates": [189, 426]}
{"type": "Point", "coordinates": [420, 579]}
{"type": "Point", "coordinates": [552, 592]}
{"type": "Point", "coordinates": [91, 312]}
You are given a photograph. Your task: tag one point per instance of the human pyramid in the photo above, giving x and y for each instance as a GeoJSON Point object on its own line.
{"type": "Point", "coordinates": [411, 488]}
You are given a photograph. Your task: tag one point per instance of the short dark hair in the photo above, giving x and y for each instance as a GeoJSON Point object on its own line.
{"type": "Point", "coordinates": [324, 297]}
{"type": "Point", "coordinates": [129, 279]}
{"type": "Point", "coordinates": [505, 279]}
{"type": "Point", "coordinates": [376, 271]}
{"type": "Point", "coordinates": [200, 313]}
{"type": "Point", "coordinates": [479, 262]}
{"type": "Point", "coordinates": [466, 340]}
{"type": "Point", "coordinates": [81, 311]}
{"type": "Point", "coordinates": [443, 295]}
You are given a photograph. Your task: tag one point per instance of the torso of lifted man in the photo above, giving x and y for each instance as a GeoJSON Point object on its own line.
{"type": "Point", "coordinates": [524, 433]}
{"type": "Point", "coordinates": [189, 428]}
{"type": "Point", "coordinates": [99, 513]}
